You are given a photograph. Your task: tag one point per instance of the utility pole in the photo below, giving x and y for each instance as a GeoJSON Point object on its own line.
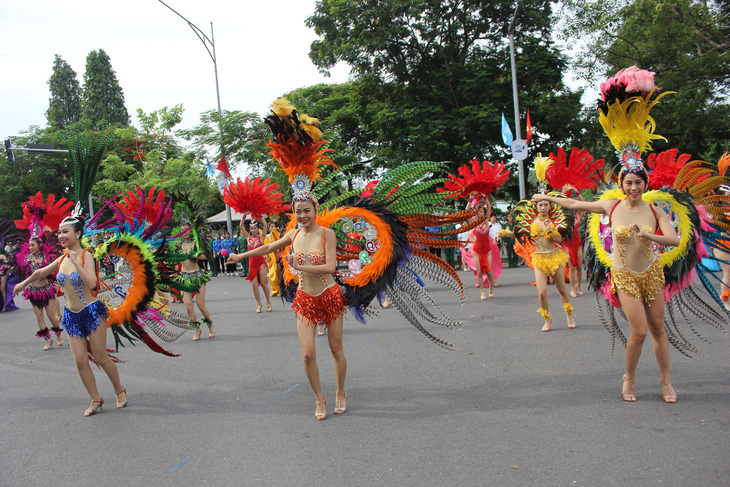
{"type": "Point", "coordinates": [209, 44]}
{"type": "Point", "coordinates": [518, 136]}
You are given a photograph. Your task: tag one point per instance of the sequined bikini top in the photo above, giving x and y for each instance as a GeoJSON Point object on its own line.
{"type": "Point", "coordinates": [76, 282]}
{"type": "Point", "coordinates": [316, 257]}
{"type": "Point", "coordinates": [621, 237]}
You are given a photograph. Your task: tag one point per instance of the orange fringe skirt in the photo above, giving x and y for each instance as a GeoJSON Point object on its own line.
{"type": "Point", "coordinates": [321, 309]}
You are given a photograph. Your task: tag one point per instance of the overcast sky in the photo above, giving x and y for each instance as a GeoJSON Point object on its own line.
{"type": "Point", "coordinates": [262, 50]}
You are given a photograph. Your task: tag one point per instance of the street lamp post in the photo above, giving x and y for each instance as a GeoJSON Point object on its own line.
{"type": "Point", "coordinates": [515, 97]}
{"type": "Point", "coordinates": [209, 44]}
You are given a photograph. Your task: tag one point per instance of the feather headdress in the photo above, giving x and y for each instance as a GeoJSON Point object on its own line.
{"type": "Point", "coordinates": [579, 171]}
{"type": "Point", "coordinates": [41, 215]}
{"type": "Point", "coordinates": [483, 179]}
{"type": "Point", "coordinates": [254, 196]}
{"type": "Point", "coordinates": [297, 147]}
{"type": "Point", "coordinates": [626, 101]}
{"type": "Point", "coordinates": [541, 166]}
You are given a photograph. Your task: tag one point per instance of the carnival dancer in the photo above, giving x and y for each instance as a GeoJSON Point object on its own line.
{"type": "Point", "coordinates": [392, 237]}
{"type": "Point", "coordinates": [258, 271]}
{"type": "Point", "coordinates": [570, 175]}
{"type": "Point", "coordinates": [84, 316]}
{"type": "Point", "coordinates": [544, 224]}
{"type": "Point", "coordinates": [192, 279]}
{"type": "Point", "coordinates": [482, 255]}
{"type": "Point", "coordinates": [41, 218]}
{"type": "Point", "coordinates": [273, 235]}
{"type": "Point", "coordinates": [477, 181]}
{"type": "Point", "coordinates": [625, 263]}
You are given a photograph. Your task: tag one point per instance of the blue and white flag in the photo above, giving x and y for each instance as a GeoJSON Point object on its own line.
{"type": "Point", "coordinates": [506, 133]}
{"type": "Point", "coordinates": [209, 172]}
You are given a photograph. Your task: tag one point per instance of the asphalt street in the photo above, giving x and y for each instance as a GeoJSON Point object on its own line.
{"type": "Point", "coordinates": [512, 407]}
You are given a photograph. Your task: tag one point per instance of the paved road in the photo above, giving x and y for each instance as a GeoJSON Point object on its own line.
{"type": "Point", "coordinates": [513, 407]}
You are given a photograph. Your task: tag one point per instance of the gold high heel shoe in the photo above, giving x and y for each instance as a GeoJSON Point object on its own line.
{"type": "Point", "coordinates": [268, 307]}
{"type": "Point", "coordinates": [92, 410]}
{"type": "Point", "coordinates": [668, 398]}
{"type": "Point", "coordinates": [630, 396]}
{"type": "Point", "coordinates": [343, 401]}
{"type": "Point", "coordinates": [320, 415]}
{"type": "Point", "coordinates": [120, 405]}
{"type": "Point", "coordinates": [258, 309]}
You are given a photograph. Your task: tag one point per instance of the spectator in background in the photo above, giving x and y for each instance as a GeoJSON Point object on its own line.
{"type": "Point", "coordinates": [242, 245]}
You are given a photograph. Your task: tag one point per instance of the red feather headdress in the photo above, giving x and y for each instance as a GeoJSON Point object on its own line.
{"type": "Point", "coordinates": [578, 171]}
{"type": "Point", "coordinates": [40, 215]}
{"type": "Point", "coordinates": [254, 196]}
{"type": "Point", "coordinates": [483, 179]}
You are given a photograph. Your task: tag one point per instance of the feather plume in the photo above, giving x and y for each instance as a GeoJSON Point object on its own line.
{"type": "Point", "coordinates": [579, 171]}
{"type": "Point", "coordinates": [254, 196]}
{"type": "Point", "coordinates": [475, 178]}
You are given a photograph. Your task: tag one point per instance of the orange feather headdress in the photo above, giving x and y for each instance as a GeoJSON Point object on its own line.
{"type": "Point", "coordinates": [297, 146]}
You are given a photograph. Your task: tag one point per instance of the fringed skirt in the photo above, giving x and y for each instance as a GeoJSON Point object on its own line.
{"type": "Point", "coordinates": [190, 281]}
{"type": "Point", "coordinates": [40, 296]}
{"type": "Point", "coordinates": [82, 323]}
{"type": "Point", "coordinates": [321, 309]}
{"type": "Point", "coordinates": [549, 262]}
{"type": "Point", "coordinates": [643, 286]}
{"type": "Point", "coordinates": [254, 265]}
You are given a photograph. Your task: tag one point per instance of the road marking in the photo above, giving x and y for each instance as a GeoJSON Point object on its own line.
{"type": "Point", "coordinates": [29, 361]}
{"type": "Point", "coordinates": [184, 461]}
{"type": "Point", "coordinates": [369, 338]}
{"type": "Point", "coordinates": [291, 388]}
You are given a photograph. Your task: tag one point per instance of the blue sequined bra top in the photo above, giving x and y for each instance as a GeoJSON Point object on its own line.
{"type": "Point", "coordinates": [76, 281]}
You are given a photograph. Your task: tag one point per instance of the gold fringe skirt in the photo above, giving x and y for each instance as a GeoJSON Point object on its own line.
{"type": "Point", "coordinates": [643, 286]}
{"type": "Point", "coordinates": [549, 262]}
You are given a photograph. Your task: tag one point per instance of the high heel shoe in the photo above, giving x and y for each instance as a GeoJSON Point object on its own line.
{"type": "Point", "coordinates": [49, 345]}
{"type": "Point", "coordinates": [258, 309]}
{"type": "Point", "coordinates": [92, 410]}
{"type": "Point", "coordinates": [628, 396]}
{"type": "Point", "coordinates": [320, 415]}
{"type": "Point", "coordinates": [484, 296]}
{"type": "Point", "coordinates": [211, 330]}
{"type": "Point", "coordinates": [196, 337]}
{"type": "Point", "coordinates": [340, 409]}
{"type": "Point", "coordinates": [120, 405]}
{"type": "Point", "coordinates": [268, 307]}
{"type": "Point", "coordinates": [668, 398]}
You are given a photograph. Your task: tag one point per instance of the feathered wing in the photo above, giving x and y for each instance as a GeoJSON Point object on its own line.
{"type": "Point", "coordinates": [685, 297]}
{"type": "Point", "coordinates": [384, 240]}
{"type": "Point", "coordinates": [138, 302]}
{"type": "Point", "coordinates": [525, 213]}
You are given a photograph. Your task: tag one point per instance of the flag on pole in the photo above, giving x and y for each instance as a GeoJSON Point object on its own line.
{"type": "Point", "coordinates": [506, 133]}
{"type": "Point", "coordinates": [529, 128]}
{"type": "Point", "coordinates": [223, 167]}
{"type": "Point", "coordinates": [209, 173]}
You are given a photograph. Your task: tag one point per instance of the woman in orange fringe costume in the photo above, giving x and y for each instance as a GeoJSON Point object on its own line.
{"type": "Point", "coordinates": [319, 300]}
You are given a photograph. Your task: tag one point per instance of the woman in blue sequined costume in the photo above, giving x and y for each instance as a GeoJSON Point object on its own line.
{"type": "Point", "coordinates": [84, 317]}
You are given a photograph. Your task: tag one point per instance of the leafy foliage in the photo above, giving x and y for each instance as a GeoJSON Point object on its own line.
{"type": "Point", "coordinates": [103, 98]}
{"type": "Point", "coordinates": [64, 106]}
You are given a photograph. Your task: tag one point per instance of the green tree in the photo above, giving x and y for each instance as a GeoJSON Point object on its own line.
{"type": "Point", "coordinates": [433, 76]}
{"type": "Point", "coordinates": [103, 98]}
{"type": "Point", "coordinates": [64, 106]}
{"type": "Point", "coordinates": [687, 44]}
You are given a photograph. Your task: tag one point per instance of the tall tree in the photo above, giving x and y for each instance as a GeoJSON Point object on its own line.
{"type": "Point", "coordinates": [687, 44]}
{"type": "Point", "coordinates": [433, 75]}
{"type": "Point", "coordinates": [64, 106]}
{"type": "Point", "coordinates": [103, 98]}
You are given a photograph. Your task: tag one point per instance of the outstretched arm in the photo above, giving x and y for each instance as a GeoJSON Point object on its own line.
{"type": "Point", "coordinates": [264, 249]}
{"type": "Point", "coordinates": [603, 206]}
{"type": "Point", "coordinates": [37, 276]}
